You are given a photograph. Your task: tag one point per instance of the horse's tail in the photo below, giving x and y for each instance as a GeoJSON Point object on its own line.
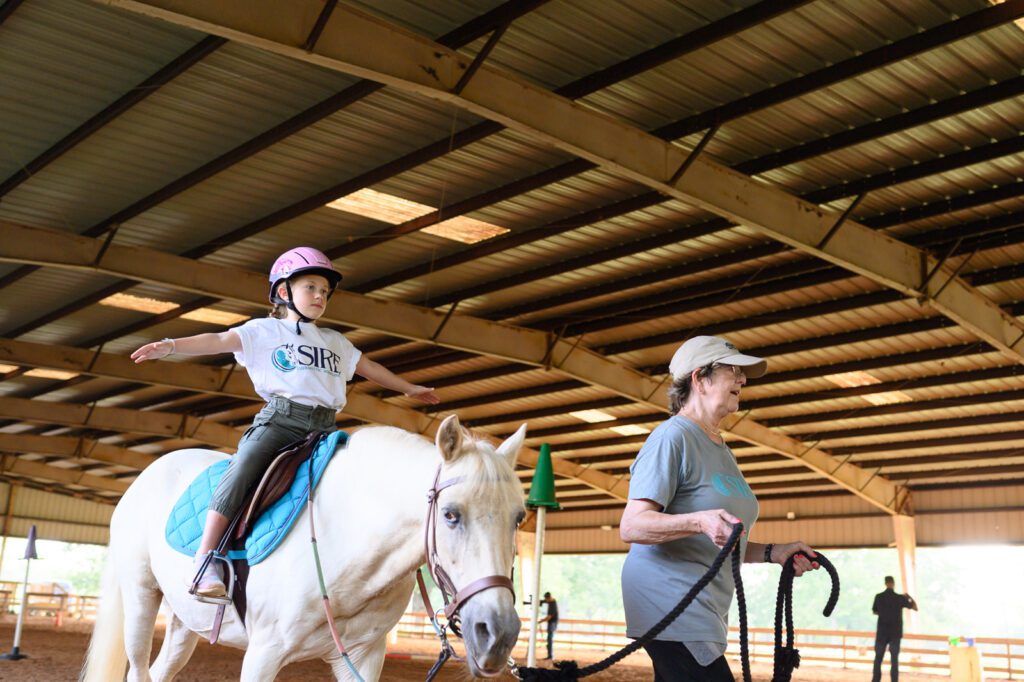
{"type": "Point", "coordinates": [106, 659]}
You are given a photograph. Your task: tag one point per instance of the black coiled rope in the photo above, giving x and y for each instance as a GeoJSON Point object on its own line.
{"type": "Point", "coordinates": [786, 659]}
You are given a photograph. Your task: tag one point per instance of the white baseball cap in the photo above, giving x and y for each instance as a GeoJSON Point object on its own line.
{"type": "Point", "coordinates": [703, 350]}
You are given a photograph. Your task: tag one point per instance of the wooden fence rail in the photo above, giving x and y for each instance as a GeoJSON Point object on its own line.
{"type": "Point", "coordinates": [47, 600]}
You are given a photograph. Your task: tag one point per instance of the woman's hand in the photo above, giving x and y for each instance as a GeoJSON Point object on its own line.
{"type": "Point", "coordinates": [424, 394]}
{"type": "Point", "coordinates": [716, 524]}
{"type": "Point", "coordinates": [781, 554]}
{"type": "Point", "coordinates": [153, 351]}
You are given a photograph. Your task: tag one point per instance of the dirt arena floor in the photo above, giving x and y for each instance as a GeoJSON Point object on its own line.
{"type": "Point", "coordinates": [56, 654]}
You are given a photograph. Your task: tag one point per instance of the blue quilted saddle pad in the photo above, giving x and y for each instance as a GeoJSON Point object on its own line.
{"type": "Point", "coordinates": [185, 523]}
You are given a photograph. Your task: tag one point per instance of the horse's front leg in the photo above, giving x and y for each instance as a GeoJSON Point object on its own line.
{"type": "Point", "coordinates": [179, 643]}
{"type": "Point", "coordinates": [262, 661]}
{"type": "Point", "coordinates": [384, 612]}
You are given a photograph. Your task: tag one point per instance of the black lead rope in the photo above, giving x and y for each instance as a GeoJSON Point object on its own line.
{"type": "Point", "coordinates": [567, 671]}
{"type": "Point", "coordinates": [787, 658]}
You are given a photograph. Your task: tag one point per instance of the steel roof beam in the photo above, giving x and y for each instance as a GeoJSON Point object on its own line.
{"type": "Point", "coordinates": [364, 46]}
{"type": "Point", "coordinates": [897, 408]}
{"type": "Point", "coordinates": [456, 331]}
{"type": "Point", "coordinates": [1003, 372]}
{"type": "Point", "coordinates": [927, 443]}
{"type": "Point", "coordinates": [680, 233]}
{"type": "Point", "coordinates": [851, 432]}
{"type": "Point", "coordinates": [24, 467]}
{"type": "Point", "coordinates": [211, 380]}
{"type": "Point", "coordinates": [800, 312]}
{"type": "Point", "coordinates": [119, 419]}
{"type": "Point", "coordinates": [763, 281]}
{"type": "Point", "coordinates": [75, 449]}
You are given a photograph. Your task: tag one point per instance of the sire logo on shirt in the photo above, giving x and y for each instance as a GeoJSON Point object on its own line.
{"type": "Point", "coordinates": [289, 357]}
{"type": "Point", "coordinates": [731, 486]}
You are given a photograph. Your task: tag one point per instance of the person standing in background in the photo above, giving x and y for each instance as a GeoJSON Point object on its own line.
{"type": "Point", "coordinates": [888, 606]}
{"type": "Point", "coordinates": [551, 618]}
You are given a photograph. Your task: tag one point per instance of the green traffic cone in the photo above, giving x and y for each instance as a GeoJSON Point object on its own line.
{"type": "Point", "coordinates": [542, 488]}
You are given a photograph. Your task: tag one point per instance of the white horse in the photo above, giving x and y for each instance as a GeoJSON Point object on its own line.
{"type": "Point", "coordinates": [370, 510]}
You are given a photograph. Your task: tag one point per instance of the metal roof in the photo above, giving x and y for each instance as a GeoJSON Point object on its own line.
{"type": "Point", "coordinates": [122, 127]}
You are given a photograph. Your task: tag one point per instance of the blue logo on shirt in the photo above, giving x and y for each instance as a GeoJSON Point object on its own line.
{"type": "Point", "coordinates": [731, 486]}
{"type": "Point", "coordinates": [283, 358]}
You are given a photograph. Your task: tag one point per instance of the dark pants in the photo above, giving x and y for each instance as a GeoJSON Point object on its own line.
{"type": "Point", "coordinates": [673, 662]}
{"type": "Point", "coordinates": [552, 626]}
{"type": "Point", "coordinates": [892, 641]}
{"type": "Point", "coordinates": [280, 423]}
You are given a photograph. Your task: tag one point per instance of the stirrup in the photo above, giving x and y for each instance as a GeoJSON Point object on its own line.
{"type": "Point", "coordinates": [229, 581]}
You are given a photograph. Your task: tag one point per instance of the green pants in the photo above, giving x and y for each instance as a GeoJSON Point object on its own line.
{"type": "Point", "coordinates": [279, 423]}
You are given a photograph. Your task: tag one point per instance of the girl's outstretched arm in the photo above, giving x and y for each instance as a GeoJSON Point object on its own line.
{"type": "Point", "coordinates": [200, 344]}
{"type": "Point", "coordinates": [381, 375]}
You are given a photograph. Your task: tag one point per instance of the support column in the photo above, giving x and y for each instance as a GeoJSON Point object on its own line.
{"type": "Point", "coordinates": [906, 545]}
{"type": "Point", "coordinates": [525, 546]}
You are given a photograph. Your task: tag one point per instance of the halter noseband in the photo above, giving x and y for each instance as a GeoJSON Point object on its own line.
{"type": "Point", "coordinates": [458, 597]}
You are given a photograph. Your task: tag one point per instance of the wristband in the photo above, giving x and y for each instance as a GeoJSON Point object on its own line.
{"type": "Point", "coordinates": [171, 342]}
{"type": "Point", "coordinates": [768, 553]}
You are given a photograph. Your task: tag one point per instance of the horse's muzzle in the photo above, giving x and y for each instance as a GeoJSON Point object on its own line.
{"type": "Point", "coordinates": [490, 630]}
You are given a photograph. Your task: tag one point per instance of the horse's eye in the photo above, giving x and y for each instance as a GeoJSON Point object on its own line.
{"type": "Point", "coordinates": [519, 518]}
{"type": "Point", "coordinates": [451, 517]}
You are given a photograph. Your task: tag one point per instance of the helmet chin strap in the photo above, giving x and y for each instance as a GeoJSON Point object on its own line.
{"type": "Point", "coordinates": [291, 306]}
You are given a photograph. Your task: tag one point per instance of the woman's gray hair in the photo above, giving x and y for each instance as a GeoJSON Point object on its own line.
{"type": "Point", "coordinates": [679, 391]}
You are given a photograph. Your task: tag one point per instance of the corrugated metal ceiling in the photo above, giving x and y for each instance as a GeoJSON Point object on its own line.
{"type": "Point", "coordinates": [630, 281]}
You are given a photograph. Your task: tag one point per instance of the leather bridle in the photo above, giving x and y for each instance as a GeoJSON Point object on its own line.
{"type": "Point", "coordinates": [454, 598]}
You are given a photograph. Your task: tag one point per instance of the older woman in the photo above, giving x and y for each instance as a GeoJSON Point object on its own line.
{"type": "Point", "coordinates": [685, 494]}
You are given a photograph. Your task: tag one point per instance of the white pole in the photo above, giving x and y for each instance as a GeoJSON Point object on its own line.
{"type": "Point", "coordinates": [531, 654]}
{"type": "Point", "coordinates": [24, 608]}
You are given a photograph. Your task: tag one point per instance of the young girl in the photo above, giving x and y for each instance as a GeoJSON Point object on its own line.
{"type": "Point", "coordinates": [298, 368]}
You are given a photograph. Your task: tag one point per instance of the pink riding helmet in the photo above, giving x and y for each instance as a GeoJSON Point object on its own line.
{"type": "Point", "coordinates": [302, 259]}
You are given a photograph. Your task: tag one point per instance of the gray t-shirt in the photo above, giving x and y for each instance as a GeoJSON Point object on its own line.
{"type": "Point", "coordinates": [680, 468]}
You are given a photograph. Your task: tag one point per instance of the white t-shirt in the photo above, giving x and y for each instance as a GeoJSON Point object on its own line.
{"type": "Point", "coordinates": [311, 368]}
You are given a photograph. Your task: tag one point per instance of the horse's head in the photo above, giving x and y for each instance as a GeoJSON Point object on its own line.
{"type": "Point", "coordinates": [479, 506]}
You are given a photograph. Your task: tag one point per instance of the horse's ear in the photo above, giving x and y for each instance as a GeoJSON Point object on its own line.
{"type": "Point", "coordinates": [449, 438]}
{"type": "Point", "coordinates": [511, 445]}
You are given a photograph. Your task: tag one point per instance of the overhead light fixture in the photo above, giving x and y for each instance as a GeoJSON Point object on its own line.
{"type": "Point", "coordinates": [220, 317]}
{"type": "Point", "coordinates": [138, 303]}
{"type": "Point", "coordinates": [592, 416]}
{"type": "Point", "coordinates": [630, 430]}
{"type": "Point", "coordinates": [380, 206]}
{"type": "Point", "coordinates": [858, 378]}
{"type": "Point", "coordinates": [887, 398]}
{"type": "Point", "coordinates": [853, 379]}
{"type": "Point", "coordinates": [42, 373]}
{"type": "Point", "coordinates": [606, 527]}
{"type": "Point", "coordinates": [396, 210]}
{"type": "Point", "coordinates": [4, 369]}
{"type": "Point", "coordinates": [155, 306]}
